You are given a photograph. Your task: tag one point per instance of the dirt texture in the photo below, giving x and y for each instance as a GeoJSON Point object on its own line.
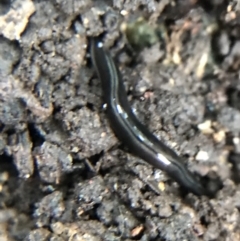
{"type": "Point", "coordinates": [63, 173]}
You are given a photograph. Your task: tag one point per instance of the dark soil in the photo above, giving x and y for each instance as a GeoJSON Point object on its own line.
{"type": "Point", "coordinates": [63, 173]}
